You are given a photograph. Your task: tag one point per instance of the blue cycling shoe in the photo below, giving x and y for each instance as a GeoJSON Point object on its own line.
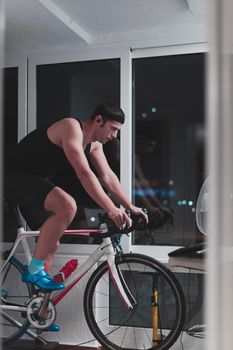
{"type": "Point", "coordinates": [53, 328]}
{"type": "Point", "coordinates": [42, 280]}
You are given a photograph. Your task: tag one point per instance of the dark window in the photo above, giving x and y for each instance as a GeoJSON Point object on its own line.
{"type": "Point", "coordinates": [169, 128]}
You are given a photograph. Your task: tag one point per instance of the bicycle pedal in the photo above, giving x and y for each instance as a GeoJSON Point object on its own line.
{"type": "Point", "coordinates": [53, 328]}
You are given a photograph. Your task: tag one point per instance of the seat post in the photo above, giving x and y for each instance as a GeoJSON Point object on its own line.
{"type": "Point", "coordinates": [18, 218]}
{"type": "Point", "coordinates": [21, 229]}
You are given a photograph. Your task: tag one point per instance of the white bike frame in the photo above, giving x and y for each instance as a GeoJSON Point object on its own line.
{"type": "Point", "coordinates": [105, 249]}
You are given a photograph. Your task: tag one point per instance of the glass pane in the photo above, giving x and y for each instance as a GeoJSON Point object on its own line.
{"type": "Point", "coordinates": [75, 89]}
{"type": "Point", "coordinates": [10, 139]}
{"type": "Point", "coordinates": [168, 146]}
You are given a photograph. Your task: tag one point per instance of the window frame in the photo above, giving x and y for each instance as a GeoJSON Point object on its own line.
{"type": "Point", "coordinates": [124, 54]}
{"type": "Point", "coordinates": [27, 114]}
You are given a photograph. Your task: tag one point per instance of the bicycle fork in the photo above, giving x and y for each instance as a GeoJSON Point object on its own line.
{"type": "Point", "coordinates": [119, 281]}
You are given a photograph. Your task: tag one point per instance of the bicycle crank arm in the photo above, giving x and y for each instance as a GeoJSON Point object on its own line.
{"type": "Point", "coordinates": [44, 306]}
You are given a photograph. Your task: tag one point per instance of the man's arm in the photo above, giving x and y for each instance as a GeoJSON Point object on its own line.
{"type": "Point", "coordinates": [109, 180]}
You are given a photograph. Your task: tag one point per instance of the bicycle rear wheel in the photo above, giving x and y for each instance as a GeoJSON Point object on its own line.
{"type": "Point", "coordinates": [157, 319]}
{"type": "Point", "coordinates": [13, 324]}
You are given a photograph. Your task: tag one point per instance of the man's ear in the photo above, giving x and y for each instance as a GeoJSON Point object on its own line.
{"type": "Point", "coordinates": [99, 119]}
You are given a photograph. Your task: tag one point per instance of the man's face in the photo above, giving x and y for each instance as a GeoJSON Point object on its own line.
{"type": "Point", "coordinates": [108, 130]}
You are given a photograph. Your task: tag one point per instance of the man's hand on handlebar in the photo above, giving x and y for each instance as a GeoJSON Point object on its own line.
{"type": "Point", "coordinates": [128, 220]}
{"type": "Point", "coordinates": [119, 217]}
{"type": "Point", "coordinates": [140, 212]}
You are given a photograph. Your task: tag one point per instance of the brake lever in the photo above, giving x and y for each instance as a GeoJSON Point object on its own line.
{"type": "Point", "coordinates": [139, 220]}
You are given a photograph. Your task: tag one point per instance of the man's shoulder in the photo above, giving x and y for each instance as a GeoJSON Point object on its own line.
{"type": "Point", "coordinates": [64, 125]}
{"type": "Point", "coordinates": [63, 130]}
{"type": "Point", "coordinates": [70, 121]}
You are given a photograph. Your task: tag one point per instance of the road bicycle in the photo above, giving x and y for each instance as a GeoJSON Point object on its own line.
{"type": "Point", "coordinates": [131, 301]}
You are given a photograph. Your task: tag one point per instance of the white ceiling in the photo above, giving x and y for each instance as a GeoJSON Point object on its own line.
{"type": "Point", "coordinates": [61, 25]}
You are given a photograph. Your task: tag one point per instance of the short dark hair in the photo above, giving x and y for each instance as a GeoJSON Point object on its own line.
{"type": "Point", "coordinates": [109, 110]}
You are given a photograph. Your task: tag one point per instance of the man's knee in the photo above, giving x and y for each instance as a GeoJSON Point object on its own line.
{"type": "Point", "coordinates": [68, 208]}
{"type": "Point", "coordinates": [61, 204]}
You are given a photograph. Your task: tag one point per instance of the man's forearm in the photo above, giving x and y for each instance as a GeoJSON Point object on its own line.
{"type": "Point", "coordinates": [115, 189]}
{"type": "Point", "coordinates": [95, 191]}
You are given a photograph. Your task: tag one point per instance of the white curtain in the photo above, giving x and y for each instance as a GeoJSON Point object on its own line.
{"type": "Point", "coordinates": [219, 289]}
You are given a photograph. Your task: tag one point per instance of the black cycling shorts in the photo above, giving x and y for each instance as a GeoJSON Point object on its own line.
{"type": "Point", "coordinates": [29, 192]}
{"type": "Point", "coordinates": [26, 189]}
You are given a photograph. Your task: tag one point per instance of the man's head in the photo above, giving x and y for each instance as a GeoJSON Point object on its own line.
{"type": "Point", "coordinates": [108, 118]}
{"type": "Point", "coordinates": [109, 110]}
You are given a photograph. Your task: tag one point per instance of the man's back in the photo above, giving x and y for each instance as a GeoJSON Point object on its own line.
{"type": "Point", "coordinates": [38, 155]}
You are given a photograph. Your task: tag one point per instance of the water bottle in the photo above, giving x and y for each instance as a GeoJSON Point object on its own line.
{"type": "Point", "coordinates": [66, 270]}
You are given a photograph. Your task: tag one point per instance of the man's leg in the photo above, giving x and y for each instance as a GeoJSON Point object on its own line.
{"type": "Point", "coordinates": [64, 208]}
{"type": "Point", "coordinates": [36, 193]}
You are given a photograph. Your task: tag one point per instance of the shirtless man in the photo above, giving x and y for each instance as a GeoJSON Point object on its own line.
{"type": "Point", "coordinates": [44, 152]}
